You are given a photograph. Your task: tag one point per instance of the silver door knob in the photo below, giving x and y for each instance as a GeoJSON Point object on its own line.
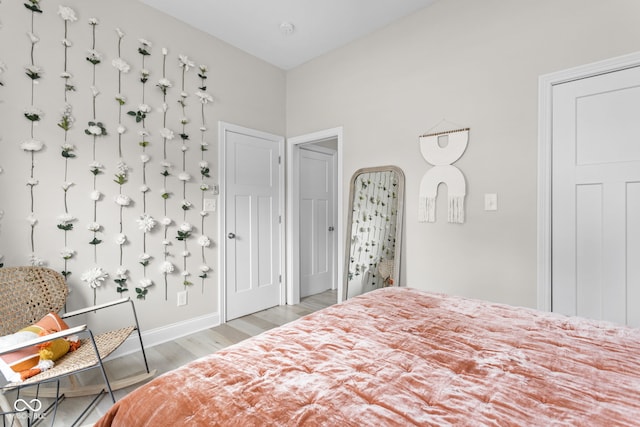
{"type": "Point", "coordinates": [231, 236]}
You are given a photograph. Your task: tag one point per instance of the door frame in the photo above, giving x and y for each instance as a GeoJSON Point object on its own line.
{"type": "Point", "coordinates": [545, 131]}
{"type": "Point", "coordinates": [223, 128]}
{"type": "Point", "coordinates": [293, 209]}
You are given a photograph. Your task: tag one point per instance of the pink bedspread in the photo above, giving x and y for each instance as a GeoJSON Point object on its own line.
{"type": "Point", "coordinates": [402, 357]}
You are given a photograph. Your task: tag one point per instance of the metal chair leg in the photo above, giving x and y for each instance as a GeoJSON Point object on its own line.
{"type": "Point", "coordinates": [104, 372]}
{"type": "Point", "coordinates": [144, 355]}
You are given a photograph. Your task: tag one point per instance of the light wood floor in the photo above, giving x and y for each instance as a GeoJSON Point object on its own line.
{"type": "Point", "coordinates": [170, 355]}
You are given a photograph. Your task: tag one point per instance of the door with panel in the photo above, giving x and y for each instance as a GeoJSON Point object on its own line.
{"type": "Point", "coordinates": [596, 197]}
{"type": "Point", "coordinates": [252, 221]}
{"type": "Point", "coordinates": [317, 221]}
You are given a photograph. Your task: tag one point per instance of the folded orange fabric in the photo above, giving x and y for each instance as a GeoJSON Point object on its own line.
{"type": "Point", "coordinates": [27, 362]}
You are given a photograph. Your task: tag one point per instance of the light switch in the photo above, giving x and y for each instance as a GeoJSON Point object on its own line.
{"type": "Point", "coordinates": [491, 202]}
{"type": "Point", "coordinates": [182, 298]}
{"type": "Point", "coordinates": [209, 205]}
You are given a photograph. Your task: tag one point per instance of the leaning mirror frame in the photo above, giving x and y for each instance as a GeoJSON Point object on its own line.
{"type": "Point", "coordinates": [373, 239]}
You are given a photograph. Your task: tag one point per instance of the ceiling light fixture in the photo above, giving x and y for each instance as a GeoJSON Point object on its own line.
{"type": "Point", "coordinates": [286, 28]}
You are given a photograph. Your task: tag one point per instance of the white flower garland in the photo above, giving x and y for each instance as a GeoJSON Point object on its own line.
{"type": "Point", "coordinates": [68, 15]}
{"type": "Point", "coordinates": [185, 64]}
{"type": "Point", "coordinates": [164, 84]}
{"type": "Point", "coordinates": [65, 221]}
{"type": "Point", "coordinates": [146, 222]}
{"type": "Point", "coordinates": [122, 170]}
{"type": "Point", "coordinates": [203, 241]}
{"type": "Point", "coordinates": [95, 129]}
{"type": "Point", "coordinates": [34, 115]}
{"type": "Point", "coordinates": [121, 178]}
{"type": "Point", "coordinates": [122, 67]}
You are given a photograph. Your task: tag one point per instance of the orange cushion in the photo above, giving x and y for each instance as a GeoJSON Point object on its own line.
{"type": "Point", "coordinates": [11, 364]}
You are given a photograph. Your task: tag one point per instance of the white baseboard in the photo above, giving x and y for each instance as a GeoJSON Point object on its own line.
{"type": "Point", "coordinates": [166, 333]}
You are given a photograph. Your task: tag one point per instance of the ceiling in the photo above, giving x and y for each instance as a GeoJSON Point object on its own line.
{"type": "Point", "coordinates": [319, 26]}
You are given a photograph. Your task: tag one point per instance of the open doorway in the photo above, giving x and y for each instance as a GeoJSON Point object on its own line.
{"type": "Point", "coordinates": [315, 230]}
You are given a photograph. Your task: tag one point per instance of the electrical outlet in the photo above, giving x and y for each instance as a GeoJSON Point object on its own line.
{"type": "Point", "coordinates": [182, 298]}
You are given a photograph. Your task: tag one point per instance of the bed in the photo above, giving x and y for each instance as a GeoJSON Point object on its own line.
{"type": "Point", "coordinates": [402, 357]}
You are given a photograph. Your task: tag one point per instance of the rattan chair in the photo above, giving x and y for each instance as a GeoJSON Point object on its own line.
{"type": "Point", "coordinates": [26, 295]}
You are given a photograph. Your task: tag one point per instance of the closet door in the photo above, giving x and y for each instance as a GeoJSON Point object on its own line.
{"type": "Point", "coordinates": [596, 197]}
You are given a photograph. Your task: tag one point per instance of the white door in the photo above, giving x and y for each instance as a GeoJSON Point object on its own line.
{"type": "Point", "coordinates": [332, 140]}
{"type": "Point", "coordinates": [595, 268]}
{"type": "Point", "coordinates": [252, 221]}
{"type": "Point", "coordinates": [317, 222]}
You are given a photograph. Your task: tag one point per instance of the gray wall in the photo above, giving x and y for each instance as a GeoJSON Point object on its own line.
{"type": "Point", "coordinates": [473, 63]}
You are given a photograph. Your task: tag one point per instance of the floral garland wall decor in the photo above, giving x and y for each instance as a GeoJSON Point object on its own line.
{"type": "Point", "coordinates": [122, 170]}
{"type": "Point", "coordinates": [205, 171]}
{"type": "Point", "coordinates": [68, 15]}
{"type": "Point", "coordinates": [66, 220]}
{"type": "Point", "coordinates": [164, 84]}
{"type": "Point", "coordinates": [116, 219]}
{"type": "Point", "coordinates": [185, 229]}
{"type": "Point", "coordinates": [141, 114]}
{"type": "Point", "coordinates": [166, 267]}
{"type": "Point", "coordinates": [146, 222]}
{"type": "Point", "coordinates": [95, 129]}
{"type": "Point", "coordinates": [33, 115]}
{"type": "Point", "coordinates": [123, 68]}
{"type": "Point", "coordinates": [166, 134]}
{"type": "Point", "coordinates": [122, 200]}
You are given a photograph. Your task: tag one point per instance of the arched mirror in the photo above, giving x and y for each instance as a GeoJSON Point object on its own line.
{"type": "Point", "coordinates": [374, 230]}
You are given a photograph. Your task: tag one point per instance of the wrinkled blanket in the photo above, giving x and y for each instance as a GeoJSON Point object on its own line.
{"type": "Point", "coordinates": [402, 357]}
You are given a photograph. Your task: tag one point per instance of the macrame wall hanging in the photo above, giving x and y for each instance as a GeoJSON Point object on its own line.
{"type": "Point", "coordinates": [442, 149]}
